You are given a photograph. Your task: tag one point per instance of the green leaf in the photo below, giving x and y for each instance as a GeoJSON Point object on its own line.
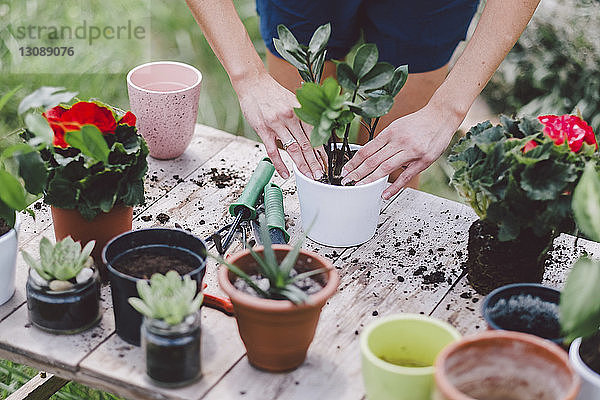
{"type": "Point", "coordinates": [33, 171]}
{"type": "Point", "coordinates": [365, 59]}
{"type": "Point", "coordinates": [378, 77]}
{"type": "Point", "coordinates": [7, 96]}
{"type": "Point", "coordinates": [346, 77]}
{"type": "Point", "coordinates": [12, 192]}
{"type": "Point", "coordinates": [38, 126]}
{"type": "Point", "coordinates": [287, 38]}
{"type": "Point", "coordinates": [45, 97]}
{"type": "Point", "coordinates": [579, 300]}
{"type": "Point", "coordinates": [398, 80]}
{"type": "Point", "coordinates": [375, 107]}
{"type": "Point", "coordinates": [319, 39]}
{"type": "Point", "coordinates": [318, 136]}
{"type": "Point", "coordinates": [237, 271]}
{"type": "Point", "coordinates": [289, 57]}
{"type": "Point", "coordinates": [141, 307]}
{"type": "Point", "coordinates": [547, 179]}
{"type": "Point", "coordinates": [308, 117]}
{"type": "Point", "coordinates": [331, 90]}
{"type": "Point", "coordinates": [90, 141]}
{"type": "Point", "coordinates": [586, 202]}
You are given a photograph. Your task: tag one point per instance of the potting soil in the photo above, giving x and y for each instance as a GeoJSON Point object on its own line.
{"type": "Point", "coordinates": [529, 314]}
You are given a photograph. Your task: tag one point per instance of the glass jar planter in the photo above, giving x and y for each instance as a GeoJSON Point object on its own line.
{"type": "Point", "coordinates": [172, 352]}
{"type": "Point", "coordinates": [65, 312]}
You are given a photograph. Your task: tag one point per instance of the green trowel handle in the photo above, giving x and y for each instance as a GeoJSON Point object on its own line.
{"type": "Point", "coordinates": [274, 209]}
{"type": "Point", "coordinates": [246, 202]}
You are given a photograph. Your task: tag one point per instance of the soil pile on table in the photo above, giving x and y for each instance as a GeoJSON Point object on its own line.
{"type": "Point", "coordinates": [527, 313]}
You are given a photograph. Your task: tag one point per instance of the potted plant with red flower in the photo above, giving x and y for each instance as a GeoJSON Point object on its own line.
{"type": "Point", "coordinates": [96, 164]}
{"type": "Point", "coordinates": [519, 177]}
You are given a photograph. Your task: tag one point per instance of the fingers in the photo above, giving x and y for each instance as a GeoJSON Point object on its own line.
{"type": "Point", "coordinates": [294, 150]}
{"type": "Point", "coordinates": [390, 165]}
{"type": "Point", "coordinates": [306, 149]}
{"type": "Point", "coordinates": [369, 164]}
{"type": "Point", "coordinates": [268, 139]}
{"type": "Point", "coordinates": [322, 157]}
{"type": "Point", "coordinates": [365, 152]}
{"type": "Point", "coordinates": [410, 172]}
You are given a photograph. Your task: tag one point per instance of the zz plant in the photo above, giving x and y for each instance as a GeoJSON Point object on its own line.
{"type": "Point", "coordinates": [281, 277]}
{"type": "Point", "coordinates": [168, 297]}
{"type": "Point", "coordinates": [365, 88]}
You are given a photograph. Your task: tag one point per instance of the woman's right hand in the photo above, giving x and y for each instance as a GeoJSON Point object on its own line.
{"type": "Point", "coordinates": [269, 109]}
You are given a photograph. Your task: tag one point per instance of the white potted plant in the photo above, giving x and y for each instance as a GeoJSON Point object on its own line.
{"type": "Point", "coordinates": [346, 215]}
{"type": "Point", "coordinates": [580, 302]}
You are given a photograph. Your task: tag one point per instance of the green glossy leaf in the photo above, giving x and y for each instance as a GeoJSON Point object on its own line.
{"type": "Point", "coordinates": [547, 179]}
{"type": "Point", "coordinates": [289, 57]}
{"type": "Point", "coordinates": [33, 171]}
{"type": "Point", "coordinates": [579, 300]}
{"type": "Point", "coordinates": [308, 117]}
{"type": "Point", "coordinates": [318, 136]}
{"type": "Point", "coordinates": [346, 77]}
{"type": "Point", "coordinates": [331, 90]}
{"type": "Point", "coordinates": [398, 80]}
{"type": "Point", "coordinates": [586, 202]}
{"type": "Point", "coordinates": [375, 107]}
{"type": "Point", "coordinates": [378, 77]}
{"type": "Point", "coordinates": [12, 192]}
{"type": "Point", "coordinates": [365, 59]}
{"type": "Point", "coordinates": [319, 39]}
{"type": "Point", "coordinates": [287, 38]}
{"type": "Point", "coordinates": [45, 97]}
{"type": "Point", "coordinates": [38, 126]}
{"type": "Point", "coordinates": [90, 141]}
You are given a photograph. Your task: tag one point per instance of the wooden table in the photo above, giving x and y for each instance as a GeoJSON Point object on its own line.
{"type": "Point", "coordinates": [413, 264]}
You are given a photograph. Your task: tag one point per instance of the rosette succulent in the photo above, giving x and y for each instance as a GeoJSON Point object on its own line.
{"type": "Point", "coordinates": [61, 263]}
{"type": "Point", "coordinates": [168, 297]}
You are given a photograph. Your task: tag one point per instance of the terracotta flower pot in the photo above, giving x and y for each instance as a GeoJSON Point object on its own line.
{"type": "Point", "coordinates": [101, 229]}
{"type": "Point", "coordinates": [504, 365]}
{"type": "Point", "coordinates": [277, 333]}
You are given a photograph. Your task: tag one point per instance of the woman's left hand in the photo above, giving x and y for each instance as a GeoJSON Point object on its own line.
{"type": "Point", "coordinates": [412, 142]}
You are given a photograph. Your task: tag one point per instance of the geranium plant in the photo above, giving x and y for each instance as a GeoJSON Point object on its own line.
{"type": "Point", "coordinates": [365, 88]}
{"type": "Point", "coordinates": [519, 177]}
{"type": "Point", "coordinates": [521, 174]}
{"type": "Point", "coordinates": [96, 160]}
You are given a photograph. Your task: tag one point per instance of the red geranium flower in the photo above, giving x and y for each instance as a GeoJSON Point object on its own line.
{"type": "Point", "coordinates": [63, 120]}
{"type": "Point", "coordinates": [570, 128]}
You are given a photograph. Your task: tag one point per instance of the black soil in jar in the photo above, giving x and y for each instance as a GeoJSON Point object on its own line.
{"type": "Point", "coordinates": [590, 352]}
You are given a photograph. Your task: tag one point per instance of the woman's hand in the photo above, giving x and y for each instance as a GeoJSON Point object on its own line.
{"type": "Point", "coordinates": [269, 109]}
{"type": "Point", "coordinates": [412, 142]}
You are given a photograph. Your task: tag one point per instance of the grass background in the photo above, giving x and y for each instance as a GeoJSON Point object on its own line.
{"type": "Point", "coordinates": [555, 68]}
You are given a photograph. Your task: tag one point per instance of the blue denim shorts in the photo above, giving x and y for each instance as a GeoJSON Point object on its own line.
{"type": "Point", "coordinates": [420, 33]}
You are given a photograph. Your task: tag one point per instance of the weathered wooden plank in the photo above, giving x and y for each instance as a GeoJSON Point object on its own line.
{"type": "Point", "coordinates": [462, 305]}
{"type": "Point", "coordinates": [414, 228]}
{"type": "Point", "coordinates": [40, 387]}
{"type": "Point", "coordinates": [19, 336]}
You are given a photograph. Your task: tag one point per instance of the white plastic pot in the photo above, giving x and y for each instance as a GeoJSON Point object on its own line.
{"type": "Point", "coordinates": [8, 262]}
{"type": "Point", "coordinates": [590, 380]}
{"type": "Point", "coordinates": [345, 215]}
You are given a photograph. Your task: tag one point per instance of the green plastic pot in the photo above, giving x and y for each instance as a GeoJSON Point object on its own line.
{"type": "Point", "coordinates": [408, 339]}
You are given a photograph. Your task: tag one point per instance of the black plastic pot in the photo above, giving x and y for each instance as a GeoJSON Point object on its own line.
{"type": "Point", "coordinates": [530, 320]}
{"type": "Point", "coordinates": [66, 312]}
{"type": "Point", "coordinates": [172, 352]}
{"type": "Point", "coordinates": [166, 241]}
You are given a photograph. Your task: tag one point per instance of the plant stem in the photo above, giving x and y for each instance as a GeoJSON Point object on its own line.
{"type": "Point", "coordinates": [330, 157]}
{"type": "Point", "coordinates": [310, 71]}
{"type": "Point", "coordinates": [372, 130]}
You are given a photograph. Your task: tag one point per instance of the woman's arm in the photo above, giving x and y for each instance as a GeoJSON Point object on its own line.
{"type": "Point", "coordinates": [267, 106]}
{"type": "Point", "coordinates": [418, 139]}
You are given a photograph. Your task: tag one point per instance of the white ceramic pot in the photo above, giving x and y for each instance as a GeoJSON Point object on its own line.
{"type": "Point", "coordinates": [8, 262]}
{"type": "Point", "coordinates": [345, 215]}
{"type": "Point", "coordinates": [590, 380]}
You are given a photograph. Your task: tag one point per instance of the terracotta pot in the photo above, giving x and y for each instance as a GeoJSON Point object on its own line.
{"type": "Point", "coordinates": [101, 229]}
{"type": "Point", "coordinates": [504, 365]}
{"type": "Point", "coordinates": [277, 333]}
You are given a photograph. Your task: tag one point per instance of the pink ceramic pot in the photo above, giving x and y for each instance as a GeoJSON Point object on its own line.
{"type": "Point", "coordinates": [164, 97]}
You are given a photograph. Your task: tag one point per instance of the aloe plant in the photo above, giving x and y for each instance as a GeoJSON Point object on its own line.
{"type": "Point", "coordinates": [167, 297]}
{"type": "Point", "coordinates": [62, 261]}
{"type": "Point", "coordinates": [368, 91]}
{"type": "Point", "coordinates": [281, 278]}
